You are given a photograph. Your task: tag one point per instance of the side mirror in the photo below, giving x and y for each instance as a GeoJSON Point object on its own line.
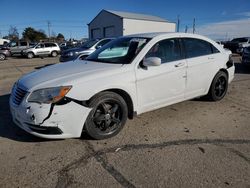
{"type": "Point", "coordinates": [97, 47]}
{"type": "Point", "coordinates": [152, 61]}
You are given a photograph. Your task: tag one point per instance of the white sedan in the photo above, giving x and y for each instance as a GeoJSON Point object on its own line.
{"type": "Point", "coordinates": [128, 76]}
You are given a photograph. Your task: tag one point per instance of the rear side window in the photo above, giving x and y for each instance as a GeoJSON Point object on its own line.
{"type": "Point", "coordinates": [53, 45]}
{"type": "Point", "coordinates": [197, 47]}
{"type": "Point", "coordinates": [47, 45]}
{"type": "Point", "coordinates": [167, 50]}
{"type": "Point", "coordinates": [23, 44]}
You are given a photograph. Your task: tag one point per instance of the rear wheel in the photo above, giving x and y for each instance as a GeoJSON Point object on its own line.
{"type": "Point", "coordinates": [54, 53]}
{"type": "Point", "coordinates": [107, 117]}
{"type": "Point", "coordinates": [30, 55]}
{"type": "Point", "coordinates": [2, 57]}
{"type": "Point", "coordinates": [218, 88]}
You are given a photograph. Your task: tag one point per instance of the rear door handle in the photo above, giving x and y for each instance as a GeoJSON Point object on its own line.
{"type": "Point", "coordinates": [210, 58]}
{"type": "Point", "coordinates": [179, 64]}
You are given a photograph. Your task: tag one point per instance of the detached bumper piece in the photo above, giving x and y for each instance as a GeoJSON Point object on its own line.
{"type": "Point", "coordinates": [45, 130]}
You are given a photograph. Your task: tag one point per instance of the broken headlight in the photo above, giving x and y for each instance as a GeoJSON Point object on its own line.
{"type": "Point", "coordinates": [49, 95]}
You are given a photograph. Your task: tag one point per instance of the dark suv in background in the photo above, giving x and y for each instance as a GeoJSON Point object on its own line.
{"type": "Point", "coordinates": [246, 56]}
{"type": "Point", "coordinates": [238, 44]}
{"type": "Point", "coordinates": [84, 51]}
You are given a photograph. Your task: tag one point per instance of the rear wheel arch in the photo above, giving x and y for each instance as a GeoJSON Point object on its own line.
{"type": "Point", "coordinates": [224, 70]}
{"type": "Point", "coordinates": [211, 95]}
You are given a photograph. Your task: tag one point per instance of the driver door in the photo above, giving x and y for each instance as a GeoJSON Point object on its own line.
{"type": "Point", "coordinates": [39, 49]}
{"type": "Point", "coordinates": [158, 86]}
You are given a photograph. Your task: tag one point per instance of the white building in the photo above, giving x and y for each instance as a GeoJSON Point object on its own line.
{"type": "Point", "coordinates": [113, 24]}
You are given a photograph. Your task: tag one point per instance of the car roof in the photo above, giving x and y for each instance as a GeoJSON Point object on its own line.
{"type": "Point", "coordinates": [168, 34]}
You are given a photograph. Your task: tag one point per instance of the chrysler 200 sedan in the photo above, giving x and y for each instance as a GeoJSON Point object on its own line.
{"type": "Point", "coordinates": [130, 75]}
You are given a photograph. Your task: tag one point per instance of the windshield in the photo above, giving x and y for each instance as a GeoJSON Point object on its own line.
{"type": "Point", "coordinates": [240, 40]}
{"type": "Point", "coordinates": [120, 51]}
{"type": "Point", "coordinates": [89, 43]}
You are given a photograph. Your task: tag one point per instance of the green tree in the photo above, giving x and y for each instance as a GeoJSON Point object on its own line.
{"type": "Point", "coordinates": [60, 36]}
{"type": "Point", "coordinates": [31, 34]}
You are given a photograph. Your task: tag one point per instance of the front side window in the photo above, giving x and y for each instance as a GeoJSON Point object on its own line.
{"type": "Point", "coordinates": [167, 50]}
{"type": "Point", "coordinates": [13, 44]}
{"type": "Point", "coordinates": [197, 47]}
{"type": "Point", "coordinates": [103, 42]}
{"type": "Point", "coordinates": [89, 43]}
{"type": "Point", "coordinates": [120, 51]}
{"type": "Point", "coordinates": [40, 46]}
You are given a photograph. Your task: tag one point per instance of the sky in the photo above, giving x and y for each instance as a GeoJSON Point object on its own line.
{"type": "Point", "coordinates": [217, 19]}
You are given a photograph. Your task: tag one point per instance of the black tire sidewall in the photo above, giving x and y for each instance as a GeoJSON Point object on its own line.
{"type": "Point", "coordinates": [212, 94]}
{"type": "Point", "coordinates": [94, 102]}
{"type": "Point", "coordinates": [30, 57]}
{"type": "Point", "coordinates": [54, 52]}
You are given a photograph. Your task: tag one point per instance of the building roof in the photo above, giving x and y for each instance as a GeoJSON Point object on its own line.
{"type": "Point", "coordinates": [136, 16]}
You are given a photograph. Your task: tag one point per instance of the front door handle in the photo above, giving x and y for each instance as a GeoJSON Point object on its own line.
{"type": "Point", "coordinates": [179, 64]}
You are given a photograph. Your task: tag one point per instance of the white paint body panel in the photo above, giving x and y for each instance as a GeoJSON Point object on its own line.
{"type": "Point", "coordinates": [149, 89]}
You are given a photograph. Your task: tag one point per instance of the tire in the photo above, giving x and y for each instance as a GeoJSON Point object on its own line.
{"type": "Point", "coordinates": [2, 57]}
{"type": "Point", "coordinates": [108, 116]}
{"type": "Point", "coordinates": [54, 53]}
{"type": "Point", "coordinates": [30, 55]}
{"type": "Point", "coordinates": [219, 86]}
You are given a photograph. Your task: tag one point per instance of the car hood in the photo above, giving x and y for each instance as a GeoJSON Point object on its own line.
{"type": "Point", "coordinates": [66, 73]}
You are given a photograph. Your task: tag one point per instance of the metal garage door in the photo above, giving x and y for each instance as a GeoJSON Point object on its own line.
{"type": "Point", "coordinates": [109, 31]}
{"type": "Point", "coordinates": [96, 33]}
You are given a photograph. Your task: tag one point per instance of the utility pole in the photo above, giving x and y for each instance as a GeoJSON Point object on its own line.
{"type": "Point", "coordinates": [178, 23]}
{"type": "Point", "coordinates": [49, 25]}
{"type": "Point", "coordinates": [186, 29]}
{"type": "Point", "coordinates": [194, 25]}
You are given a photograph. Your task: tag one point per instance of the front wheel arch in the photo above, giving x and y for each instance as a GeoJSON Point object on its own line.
{"type": "Point", "coordinates": [125, 96]}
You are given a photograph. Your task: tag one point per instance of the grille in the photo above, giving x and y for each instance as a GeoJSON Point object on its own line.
{"type": "Point", "coordinates": [18, 95]}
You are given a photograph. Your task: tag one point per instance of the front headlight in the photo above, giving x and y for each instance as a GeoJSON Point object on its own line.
{"type": "Point", "coordinates": [49, 95]}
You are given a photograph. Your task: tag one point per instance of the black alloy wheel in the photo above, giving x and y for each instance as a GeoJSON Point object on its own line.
{"type": "Point", "coordinates": [219, 86]}
{"type": "Point", "coordinates": [108, 116]}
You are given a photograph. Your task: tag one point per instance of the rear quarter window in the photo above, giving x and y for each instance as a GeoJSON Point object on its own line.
{"type": "Point", "coordinates": [23, 43]}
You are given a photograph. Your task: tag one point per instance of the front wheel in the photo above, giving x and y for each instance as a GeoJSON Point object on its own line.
{"type": "Point", "coordinates": [54, 54]}
{"type": "Point", "coordinates": [107, 117]}
{"type": "Point", "coordinates": [30, 55]}
{"type": "Point", "coordinates": [218, 88]}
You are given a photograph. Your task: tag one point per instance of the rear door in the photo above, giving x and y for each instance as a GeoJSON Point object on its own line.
{"type": "Point", "coordinates": [201, 59]}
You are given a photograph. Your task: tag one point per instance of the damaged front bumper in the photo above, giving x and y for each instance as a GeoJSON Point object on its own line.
{"type": "Point", "coordinates": [52, 121]}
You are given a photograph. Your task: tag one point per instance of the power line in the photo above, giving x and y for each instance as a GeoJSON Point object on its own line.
{"type": "Point", "coordinates": [178, 23]}
{"type": "Point", "coordinates": [194, 25]}
{"type": "Point", "coordinates": [49, 24]}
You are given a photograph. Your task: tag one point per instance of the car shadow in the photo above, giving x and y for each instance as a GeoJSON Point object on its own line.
{"type": "Point", "coordinates": [40, 67]}
{"type": "Point", "coordinates": [8, 129]}
{"type": "Point", "coordinates": [241, 69]}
